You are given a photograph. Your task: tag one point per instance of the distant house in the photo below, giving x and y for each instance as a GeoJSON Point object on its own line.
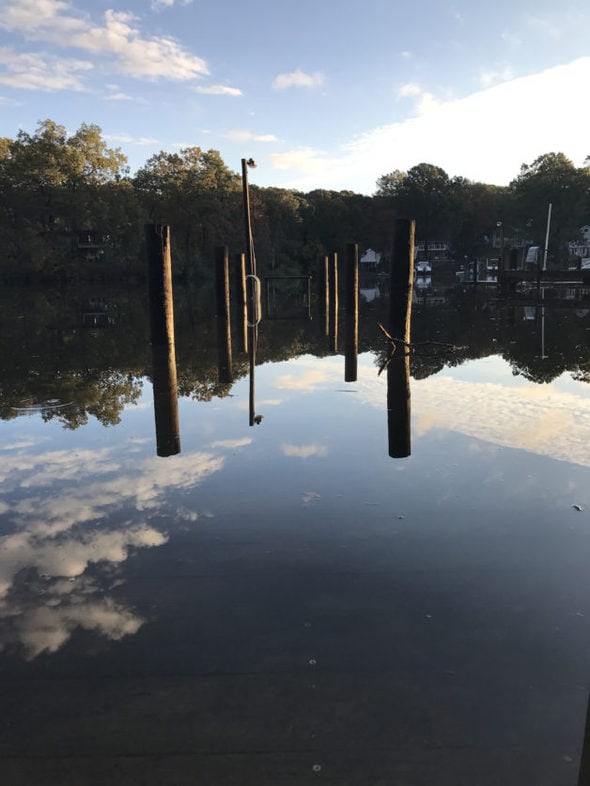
{"type": "Point", "coordinates": [439, 250]}
{"type": "Point", "coordinates": [369, 260]}
{"type": "Point", "coordinates": [91, 244]}
{"type": "Point", "coordinates": [581, 248]}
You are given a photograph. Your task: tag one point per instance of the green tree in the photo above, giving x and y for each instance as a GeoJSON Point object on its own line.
{"type": "Point", "coordinates": [53, 186]}
{"type": "Point", "coordinates": [198, 195]}
{"type": "Point", "coordinates": [552, 178]}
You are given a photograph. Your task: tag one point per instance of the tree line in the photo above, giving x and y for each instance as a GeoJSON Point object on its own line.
{"type": "Point", "coordinates": [69, 208]}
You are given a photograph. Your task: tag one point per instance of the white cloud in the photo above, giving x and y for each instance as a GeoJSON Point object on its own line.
{"type": "Point", "coordinates": [305, 160]}
{"type": "Point", "coordinates": [248, 136]}
{"type": "Point", "coordinates": [298, 79]}
{"type": "Point", "coordinates": [119, 96]}
{"type": "Point", "coordinates": [549, 26]}
{"type": "Point", "coordinates": [118, 39]}
{"type": "Point", "coordinates": [485, 136]}
{"type": "Point", "coordinates": [409, 89]}
{"type": "Point", "coordinates": [127, 139]}
{"type": "Point", "coordinates": [160, 5]}
{"type": "Point", "coordinates": [232, 444]}
{"type": "Point", "coordinates": [304, 451]}
{"type": "Point", "coordinates": [424, 101]}
{"type": "Point", "coordinates": [493, 76]}
{"type": "Point", "coordinates": [41, 72]}
{"type": "Point", "coordinates": [219, 90]}
{"type": "Point", "coordinates": [304, 380]}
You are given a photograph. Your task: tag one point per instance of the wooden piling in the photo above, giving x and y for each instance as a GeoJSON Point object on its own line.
{"type": "Point", "coordinates": [401, 284]}
{"type": "Point", "coordinates": [401, 279]}
{"type": "Point", "coordinates": [224, 348]}
{"type": "Point", "coordinates": [165, 388]}
{"type": "Point", "coordinates": [160, 284]}
{"type": "Point", "coordinates": [324, 292]}
{"type": "Point", "coordinates": [352, 312]}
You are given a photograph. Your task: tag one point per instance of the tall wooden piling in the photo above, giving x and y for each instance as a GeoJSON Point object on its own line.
{"type": "Point", "coordinates": [160, 284]}
{"type": "Point", "coordinates": [333, 295]}
{"type": "Point", "coordinates": [401, 283]}
{"type": "Point", "coordinates": [352, 312]}
{"type": "Point", "coordinates": [224, 348]}
{"type": "Point", "coordinates": [324, 292]}
{"type": "Point", "coordinates": [165, 388]}
{"type": "Point", "coordinates": [401, 279]}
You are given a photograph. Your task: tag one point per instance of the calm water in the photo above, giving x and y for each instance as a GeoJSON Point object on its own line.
{"type": "Point", "coordinates": [285, 603]}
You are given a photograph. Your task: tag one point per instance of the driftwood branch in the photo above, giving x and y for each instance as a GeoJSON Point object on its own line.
{"type": "Point", "coordinates": [412, 348]}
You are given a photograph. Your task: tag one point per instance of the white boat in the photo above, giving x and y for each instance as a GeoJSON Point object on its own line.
{"type": "Point", "coordinates": [422, 268]}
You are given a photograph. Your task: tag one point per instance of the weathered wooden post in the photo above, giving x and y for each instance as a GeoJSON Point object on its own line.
{"type": "Point", "coordinates": [324, 292]}
{"type": "Point", "coordinates": [333, 271]}
{"type": "Point", "coordinates": [401, 279]}
{"type": "Point", "coordinates": [241, 300]}
{"type": "Point", "coordinates": [352, 312]}
{"type": "Point", "coordinates": [165, 388]}
{"type": "Point", "coordinates": [401, 282]}
{"type": "Point", "coordinates": [224, 351]}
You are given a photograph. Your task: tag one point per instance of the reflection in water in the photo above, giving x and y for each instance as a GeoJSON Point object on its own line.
{"type": "Point", "coordinates": [165, 400]}
{"type": "Point", "coordinates": [223, 316]}
{"type": "Point", "coordinates": [352, 312]}
{"type": "Point", "coordinates": [399, 407]}
{"type": "Point", "coordinates": [60, 562]}
{"type": "Point", "coordinates": [150, 609]}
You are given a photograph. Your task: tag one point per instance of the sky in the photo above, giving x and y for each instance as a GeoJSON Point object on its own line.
{"type": "Point", "coordinates": [322, 94]}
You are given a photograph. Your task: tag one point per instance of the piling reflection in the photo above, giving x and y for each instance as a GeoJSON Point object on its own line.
{"type": "Point", "coordinates": [333, 302]}
{"type": "Point", "coordinates": [352, 313]}
{"type": "Point", "coordinates": [399, 407]}
{"type": "Point", "coordinates": [222, 300]}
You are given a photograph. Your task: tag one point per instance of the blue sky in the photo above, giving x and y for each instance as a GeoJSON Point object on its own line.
{"type": "Point", "coordinates": [322, 94]}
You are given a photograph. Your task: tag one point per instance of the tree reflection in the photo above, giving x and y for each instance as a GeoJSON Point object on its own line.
{"type": "Point", "coordinates": [49, 352]}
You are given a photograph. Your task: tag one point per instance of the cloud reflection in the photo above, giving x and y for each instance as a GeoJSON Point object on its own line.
{"type": "Point", "coordinates": [304, 451]}
{"type": "Point", "coordinates": [71, 519]}
{"type": "Point", "coordinates": [539, 419]}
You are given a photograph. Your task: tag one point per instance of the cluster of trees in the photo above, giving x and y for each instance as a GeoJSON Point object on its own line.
{"type": "Point", "coordinates": [56, 188]}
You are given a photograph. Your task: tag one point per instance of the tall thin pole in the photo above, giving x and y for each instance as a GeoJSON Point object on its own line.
{"type": "Point", "coordinates": [547, 236]}
{"type": "Point", "coordinates": [250, 258]}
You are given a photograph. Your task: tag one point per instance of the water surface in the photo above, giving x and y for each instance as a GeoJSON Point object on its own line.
{"type": "Point", "coordinates": [285, 603]}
